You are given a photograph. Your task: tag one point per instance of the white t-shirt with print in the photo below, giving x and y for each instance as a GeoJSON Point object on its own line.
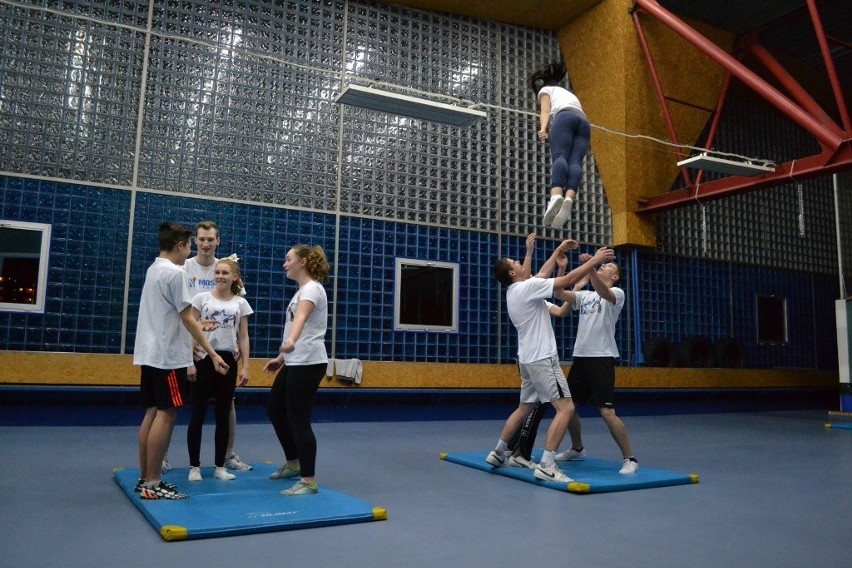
{"type": "Point", "coordinates": [202, 278]}
{"type": "Point", "coordinates": [310, 347]}
{"type": "Point", "coordinates": [226, 314]}
{"type": "Point", "coordinates": [596, 329]}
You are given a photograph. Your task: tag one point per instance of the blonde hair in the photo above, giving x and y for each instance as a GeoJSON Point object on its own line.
{"type": "Point", "coordinates": [316, 262]}
{"type": "Point", "coordinates": [237, 284]}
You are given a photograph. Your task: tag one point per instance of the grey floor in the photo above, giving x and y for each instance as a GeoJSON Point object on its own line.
{"type": "Point", "coordinates": [775, 490]}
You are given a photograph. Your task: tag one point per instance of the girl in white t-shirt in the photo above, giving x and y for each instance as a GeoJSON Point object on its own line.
{"type": "Point", "coordinates": [302, 361]}
{"type": "Point", "coordinates": [224, 319]}
{"type": "Point", "coordinates": [562, 122]}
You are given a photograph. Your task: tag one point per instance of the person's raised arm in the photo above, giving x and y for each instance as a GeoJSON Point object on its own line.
{"type": "Point", "coordinates": [584, 281]}
{"type": "Point", "coordinates": [560, 311]}
{"type": "Point", "coordinates": [527, 264]}
{"type": "Point", "coordinates": [602, 255]}
{"type": "Point", "coordinates": [561, 264]}
{"type": "Point", "coordinates": [547, 268]}
{"type": "Point", "coordinates": [604, 289]}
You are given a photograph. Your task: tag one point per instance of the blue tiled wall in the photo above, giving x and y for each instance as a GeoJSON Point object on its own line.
{"type": "Point", "coordinates": [677, 296]}
{"type": "Point", "coordinates": [85, 286]}
{"type": "Point", "coordinates": [681, 297]}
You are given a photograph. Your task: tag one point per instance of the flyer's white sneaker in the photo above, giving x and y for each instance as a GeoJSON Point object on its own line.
{"type": "Point", "coordinates": [553, 209]}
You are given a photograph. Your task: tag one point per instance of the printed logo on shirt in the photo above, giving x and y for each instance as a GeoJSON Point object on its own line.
{"type": "Point", "coordinates": [591, 304]}
{"type": "Point", "coordinates": [205, 283]}
{"type": "Point", "coordinates": [218, 319]}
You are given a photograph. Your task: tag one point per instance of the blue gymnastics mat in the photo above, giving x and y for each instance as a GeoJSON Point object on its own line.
{"type": "Point", "coordinates": [249, 504]}
{"type": "Point", "coordinates": [590, 475]}
{"type": "Point", "coordinates": [839, 425]}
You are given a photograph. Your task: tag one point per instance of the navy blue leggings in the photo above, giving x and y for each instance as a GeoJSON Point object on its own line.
{"type": "Point", "coordinates": [569, 141]}
{"type": "Point", "coordinates": [291, 402]}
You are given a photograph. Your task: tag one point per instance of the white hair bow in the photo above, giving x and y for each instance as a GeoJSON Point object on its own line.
{"type": "Point", "coordinates": [233, 257]}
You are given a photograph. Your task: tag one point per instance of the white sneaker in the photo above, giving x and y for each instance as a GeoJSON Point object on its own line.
{"type": "Point", "coordinates": [571, 455]}
{"type": "Point", "coordinates": [301, 487]}
{"type": "Point", "coordinates": [522, 462]}
{"type": "Point", "coordinates": [285, 472]}
{"type": "Point", "coordinates": [234, 462]}
{"type": "Point", "coordinates": [551, 473]}
{"type": "Point", "coordinates": [194, 474]}
{"type": "Point", "coordinates": [561, 218]}
{"type": "Point", "coordinates": [628, 466]}
{"type": "Point", "coordinates": [553, 208]}
{"type": "Point", "coordinates": [496, 459]}
{"type": "Point", "coordinates": [223, 474]}
{"type": "Point", "coordinates": [166, 467]}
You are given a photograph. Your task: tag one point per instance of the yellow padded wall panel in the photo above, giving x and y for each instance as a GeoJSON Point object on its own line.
{"type": "Point", "coordinates": [79, 369]}
{"type": "Point", "coordinates": [609, 74]}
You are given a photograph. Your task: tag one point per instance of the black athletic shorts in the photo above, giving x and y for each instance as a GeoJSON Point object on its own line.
{"type": "Point", "coordinates": [591, 380]}
{"type": "Point", "coordinates": [164, 388]}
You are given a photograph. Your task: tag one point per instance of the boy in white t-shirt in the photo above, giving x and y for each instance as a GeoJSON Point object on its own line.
{"type": "Point", "coordinates": [592, 375]}
{"type": "Point", "coordinates": [163, 349]}
{"type": "Point", "coordinates": [541, 376]}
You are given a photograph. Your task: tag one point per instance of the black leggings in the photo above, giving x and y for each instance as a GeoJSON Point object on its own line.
{"type": "Point", "coordinates": [291, 402]}
{"type": "Point", "coordinates": [524, 438]}
{"type": "Point", "coordinates": [210, 384]}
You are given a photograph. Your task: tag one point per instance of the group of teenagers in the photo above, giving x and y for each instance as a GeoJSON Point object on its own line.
{"type": "Point", "coordinates": [192, 341]}
{"type": "Point", "coordinates": [591, 378]}
{"type": "Point", "coordinates": [192, 331]}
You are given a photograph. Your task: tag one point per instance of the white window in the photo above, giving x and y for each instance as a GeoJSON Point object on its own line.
{"type": "Point", "coordinates": [24, 249]}
{"type": "Point", "coordinates": [426, 295]}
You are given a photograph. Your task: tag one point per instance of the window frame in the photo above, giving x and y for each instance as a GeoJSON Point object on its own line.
{"type": "Point", "coordinates": [397, 295]}
{"type": "Point", "coordinates": [41, 280]}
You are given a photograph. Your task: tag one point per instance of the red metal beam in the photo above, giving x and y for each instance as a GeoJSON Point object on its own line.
{"type": "Point", "coordinates": [825, 136]}
{"type": "Point", "coordinates": [829, 66]}
{"type": "Point", "coordinates": [661, 96]}
{"type": "Point", "coordinates": [826, 163]}
{"type": "Point", "coordinates": [789, 82]}
{"type": "Point", "coordinates": [714, 125]}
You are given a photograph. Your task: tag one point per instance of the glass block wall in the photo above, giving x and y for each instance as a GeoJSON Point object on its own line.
{"type": "Point", "coordinates": [791, 226]}
{"type": "Point", "coordinates": [116, 115]}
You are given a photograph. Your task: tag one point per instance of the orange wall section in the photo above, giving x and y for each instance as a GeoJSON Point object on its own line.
{"type": "Point", "coordinates": [609, 74]}
{"type": "Point", "coordinates": [82, 369]}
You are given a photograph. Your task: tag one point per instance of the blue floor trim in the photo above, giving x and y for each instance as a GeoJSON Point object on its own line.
{"type": "Point", "coordinates": [31, 405]}
{"type": "Point", "coordinates": [589, 476]}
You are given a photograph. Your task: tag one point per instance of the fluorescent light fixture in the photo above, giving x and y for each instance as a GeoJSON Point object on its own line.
{"type": "Point", "coordinates": [413, 107]}
{"type": "Point", "coordinates": [726, 166]}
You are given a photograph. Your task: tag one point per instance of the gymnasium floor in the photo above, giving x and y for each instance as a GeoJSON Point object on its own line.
{"type": "Point", "coordinates": [775, 490]}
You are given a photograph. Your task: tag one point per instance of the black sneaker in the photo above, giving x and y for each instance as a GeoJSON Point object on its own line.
{"type": "Point", "coordinates": [141, 484]}
{"type": "Point", "coordinates": [161, 491]}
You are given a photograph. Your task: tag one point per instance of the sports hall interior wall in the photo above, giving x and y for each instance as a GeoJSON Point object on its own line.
{"type": "Point", "coordinates": [240, 128]}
